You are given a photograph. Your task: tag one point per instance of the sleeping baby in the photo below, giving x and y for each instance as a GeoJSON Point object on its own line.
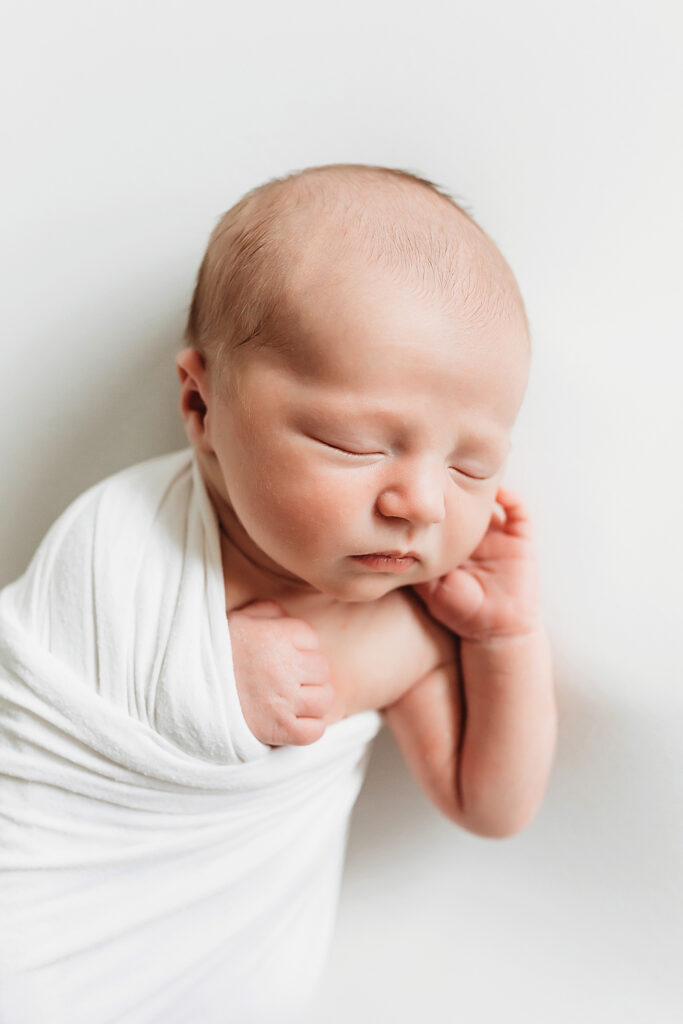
{"type": "Point", "coordinates": [203, 648]}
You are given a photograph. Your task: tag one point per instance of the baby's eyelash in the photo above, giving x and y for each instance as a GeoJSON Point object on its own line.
{"type": "Point", "coordinates": [470, 476]}
{"type": "Point", "coordinates": [344, 451]}
{"type": "Point", "coordinates": [361, 455]}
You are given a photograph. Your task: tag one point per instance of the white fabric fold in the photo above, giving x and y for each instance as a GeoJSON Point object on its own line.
{"type": "Point", "coordinates": [157, 861]}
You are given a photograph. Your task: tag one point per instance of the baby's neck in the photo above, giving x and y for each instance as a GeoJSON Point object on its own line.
{"type": "Point", "coordinates": [246, 581]}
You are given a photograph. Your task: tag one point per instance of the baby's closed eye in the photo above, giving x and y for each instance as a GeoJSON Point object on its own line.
{"type": "Point", "coordinates": [472, 476]}
{"type": "Point", "coordinates": [353, 450]}
{"type": "Point", "coordinates": [349, 448]}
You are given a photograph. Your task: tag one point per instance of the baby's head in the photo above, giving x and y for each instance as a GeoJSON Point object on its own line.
{"type": "Point", "coordinates": [357, 354]}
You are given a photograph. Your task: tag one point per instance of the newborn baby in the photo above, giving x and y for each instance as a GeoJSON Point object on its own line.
{"type": "Point", "coordinates": [358, 354]}
{"type": "Point", "coordinates": [175, 787]}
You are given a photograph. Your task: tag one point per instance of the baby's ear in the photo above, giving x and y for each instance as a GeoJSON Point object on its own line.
{"type": "Point", "coordinates": [191, 363]}
{"type": "Point", "coordinates": [194, 392]}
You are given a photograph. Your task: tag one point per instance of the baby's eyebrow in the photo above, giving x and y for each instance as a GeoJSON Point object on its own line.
{"type": "Point", "coordinates": [492, 445]}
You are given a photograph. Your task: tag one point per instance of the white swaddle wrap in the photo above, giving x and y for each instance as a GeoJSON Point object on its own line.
{"type": "Point", "coordinates": [157, 862]}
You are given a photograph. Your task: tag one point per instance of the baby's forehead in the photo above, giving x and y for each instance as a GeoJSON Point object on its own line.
{"type": "Point", "coordinates": [361, 332]}
{"type": "Point", "coordinates": [342, 292]}
{"type": "Point", "coordinates": [408, 373]}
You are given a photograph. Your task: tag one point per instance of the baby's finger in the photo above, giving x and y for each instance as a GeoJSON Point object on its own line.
{"type": "Point", "coordinates": [497, 520]}
{"type": "Point", "coordinates": [302, 635]}
{"type": "Point", "coordinates": [303, 731]}
{"type": "Point", "coordinates": [314, 700]}
{"type": "Point", "coordinates": [314, 669]}
{"type": "Point", "coordinates": [517, 519]}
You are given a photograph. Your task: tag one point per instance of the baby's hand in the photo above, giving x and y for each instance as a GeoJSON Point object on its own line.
{"type": "Point", "coordinates": [495, 592]}
{"type": "Point", "coordinates": [283, 682]}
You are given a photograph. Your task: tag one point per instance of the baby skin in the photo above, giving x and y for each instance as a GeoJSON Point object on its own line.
{"type": "Point", "coordinates": [371, 557]}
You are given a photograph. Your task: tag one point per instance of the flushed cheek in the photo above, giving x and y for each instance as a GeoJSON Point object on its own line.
{"type": "Point", "coordinates": [464, 531]}
{"type": "Point", "coordinates": [302, 509]}
{"type": "Point", "coordinates": [323, 514]}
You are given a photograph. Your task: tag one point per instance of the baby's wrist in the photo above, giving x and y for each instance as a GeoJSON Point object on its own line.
{"type": "Point", "coordinates": [534, 632]}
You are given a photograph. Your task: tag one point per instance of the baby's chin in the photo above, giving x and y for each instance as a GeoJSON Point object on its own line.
{"type": "Point", "coordinates": [367, 588]}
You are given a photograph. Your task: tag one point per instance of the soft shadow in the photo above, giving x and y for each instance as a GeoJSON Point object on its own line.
{"type": "Point", "coordinates": [608, 817]}
{"type": "Point", "coordinates": [119, 412]}
{"type": "Point", "coordinates": [391, 811]}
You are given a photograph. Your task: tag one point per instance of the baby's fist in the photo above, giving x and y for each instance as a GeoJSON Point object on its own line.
{"type": "Point", "coordinates": [283, 681]}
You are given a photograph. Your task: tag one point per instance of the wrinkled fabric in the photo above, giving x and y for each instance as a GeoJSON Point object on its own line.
{"type": "Point", "coordinates": [157, 861]}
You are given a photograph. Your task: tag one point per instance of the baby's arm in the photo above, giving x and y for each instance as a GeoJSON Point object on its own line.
{"type": "Point", "coordinates": [480, 739]}
{"type": "Point", "coordinates": [295, 677]}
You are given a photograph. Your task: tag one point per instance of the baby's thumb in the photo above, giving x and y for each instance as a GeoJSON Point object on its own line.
{"type": "Point", "coordinates": [261, 610]}
{"type": "Point", "coordinates": [443, 600]}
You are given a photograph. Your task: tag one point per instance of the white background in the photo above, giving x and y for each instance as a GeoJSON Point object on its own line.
{"type": "Point", "coordinates": [129, 128]}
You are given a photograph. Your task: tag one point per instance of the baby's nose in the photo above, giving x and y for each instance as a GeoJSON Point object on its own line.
{"type": "Point", "coordinates": [415, 494]}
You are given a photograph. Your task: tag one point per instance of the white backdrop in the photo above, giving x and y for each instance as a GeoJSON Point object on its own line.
{"type": "Point", "coordinates": [129, 128]}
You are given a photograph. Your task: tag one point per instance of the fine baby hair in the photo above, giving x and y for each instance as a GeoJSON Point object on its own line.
{"type": "Point", "coordinates": [394, 218]}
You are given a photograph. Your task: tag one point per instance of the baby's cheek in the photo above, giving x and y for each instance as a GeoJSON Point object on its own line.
{"type": "Point", "coordinates": [465, 526]}
{"type": "Point", "coordinates": [324, 511]}
{"type": "Point", "coordinates": [479, 524]}
{"type": "Point", "coordinates": [320, 505]}
{"type": "Point", "coordinates": [292, 500]}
